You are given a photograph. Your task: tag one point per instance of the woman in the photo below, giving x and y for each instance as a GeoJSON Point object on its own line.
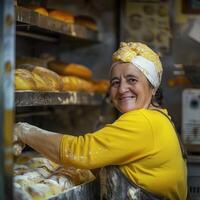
{"type": "Point", "coordinates": [139, 153]}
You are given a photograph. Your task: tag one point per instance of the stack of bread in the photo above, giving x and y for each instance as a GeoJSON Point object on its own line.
{"type": "Point", "coordinates": [78, 77]}
{"type": "Point", "coordinates": [39, 178]}
{"type": "Point", "coordinates": [59, 76]}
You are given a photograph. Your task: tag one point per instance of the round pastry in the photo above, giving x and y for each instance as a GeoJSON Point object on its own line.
{"type": "Point", "coordinates": [62, 16]}
{"type": "Point", "coordinates": [86, 21]}
{"type": "Point", "coordinates": [23, 80]}
{"type": "Point", "coordinates": [46, 79]}
{"type": "Point", "coordinates": [72, 69]}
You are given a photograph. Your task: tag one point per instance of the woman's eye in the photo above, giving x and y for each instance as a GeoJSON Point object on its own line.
{"type": "Point", "coordinates": [114, 83]}
{"type": "Point", "coordinates": [131, 80]}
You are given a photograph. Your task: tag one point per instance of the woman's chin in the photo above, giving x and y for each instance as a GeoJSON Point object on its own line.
{"type": "Point", "coordinates": [127, 109]}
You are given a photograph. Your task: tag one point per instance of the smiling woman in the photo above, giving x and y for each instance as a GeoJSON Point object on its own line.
{"type": "Point", "coordinates": [129, 88]}
{"type": "Point", "coordinates": [139, 154]}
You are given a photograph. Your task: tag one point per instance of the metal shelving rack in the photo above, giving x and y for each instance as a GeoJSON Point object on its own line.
{"type": "Point", "coordinates": [7, 49]}
{"type": "Point", "coordinates": [32, 24]}
{"type": "Point", "coordinates": [31, 98]}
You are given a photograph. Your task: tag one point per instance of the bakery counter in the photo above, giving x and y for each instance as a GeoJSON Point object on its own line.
{"type": "Point", "coordinates": [36, 98]}
{"type": "Point", "coordinates": [31, 24]}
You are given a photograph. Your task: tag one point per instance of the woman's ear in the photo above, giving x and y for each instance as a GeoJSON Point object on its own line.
{"type": "Point", "coordinates": [108, 97]}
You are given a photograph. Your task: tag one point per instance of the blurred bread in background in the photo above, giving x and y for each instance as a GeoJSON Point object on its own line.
{"type": "Point", "coordinates": [72, 83]}
{"type": "Point", "coordinates": [38, 9]}
{"type": "Point", "coordinates": [39, 78]}
{"type": "Point", "coordinates": [47, 80]}
{"type": "Point", "coordinates": [24, 80]}
{"type": "Point", "coordinates": [71, 69]}
{"type": "Point", "coordinates": [86, 21]}
{"type": "Point", "coordinates": [101, 86]}
{"type": "Point", "coordinates": [64, 16]}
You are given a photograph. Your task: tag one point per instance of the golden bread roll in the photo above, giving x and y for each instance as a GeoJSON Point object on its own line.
{"type": "Point", "coordinates": [86, 21]}
{"type": "Point", "coordinates": [64, 16]}
{"type": "Point", "coordinates": [101, 86]}
{"type": "Point", "coordinates": [41, 162]}
{"type": "Point", "coordinates": [47, 80]}
{"type": "Point", "coordinates": [28, 178]}
{"type": "Point", "coordinates": [24, 80]}
{"type": "Point", "coordinates": [38, 9]}
{"type": "Point", "coordinates": [71, 69]}
{"type": "Point", "coordinates": [72, 83]}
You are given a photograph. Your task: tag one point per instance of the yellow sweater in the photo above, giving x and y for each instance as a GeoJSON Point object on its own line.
{"type": "Point", "coordinates": [143, 143]}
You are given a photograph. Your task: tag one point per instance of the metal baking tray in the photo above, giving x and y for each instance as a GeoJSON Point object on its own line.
{"type": "Point", "coordinates": [33, 24]}
{"type": "Point", "coordinates": [85, 191]}
{"type": "Point", "coordinates": [34, 98]}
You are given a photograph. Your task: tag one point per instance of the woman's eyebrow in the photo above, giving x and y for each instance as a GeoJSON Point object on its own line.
{"type": "Point", "coordinates": [114, 78]}
{"type": "Point", "coordinates": [131, 76]}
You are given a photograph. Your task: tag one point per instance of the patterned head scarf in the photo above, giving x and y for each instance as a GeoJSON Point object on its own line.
{"type": "Point", "coordinates": [141, 56]}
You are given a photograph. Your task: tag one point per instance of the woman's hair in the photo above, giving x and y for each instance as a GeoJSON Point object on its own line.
{"type": "Point", "coordinates": [157, 99]}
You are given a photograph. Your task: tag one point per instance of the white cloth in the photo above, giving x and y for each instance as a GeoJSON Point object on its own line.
{"type": "Point", "coordinates": [148, 69]}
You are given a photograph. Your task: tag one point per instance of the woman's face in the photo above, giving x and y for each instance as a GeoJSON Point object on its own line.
{"type": "Point", "coordinates": [129, 88]}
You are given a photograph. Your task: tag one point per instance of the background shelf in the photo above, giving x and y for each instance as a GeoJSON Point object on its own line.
{"type": "Point", "coordinates": [31, 24]}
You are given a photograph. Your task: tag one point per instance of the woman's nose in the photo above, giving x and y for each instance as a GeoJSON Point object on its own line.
{"type": "Point", "coordinates": [123, 87]}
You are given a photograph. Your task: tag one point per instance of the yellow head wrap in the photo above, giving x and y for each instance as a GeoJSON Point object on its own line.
{"type": "Point", "coordinates": [143, 58]}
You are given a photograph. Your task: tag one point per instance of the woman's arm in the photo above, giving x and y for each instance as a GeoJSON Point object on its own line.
{"type": "Point", "coordinates": [45, 142]}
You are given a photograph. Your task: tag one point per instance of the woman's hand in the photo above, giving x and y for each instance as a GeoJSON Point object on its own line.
{"type": "Point", "coordinates": [43, 141]}
{"type": "Point", "coordinates": [21, 130]}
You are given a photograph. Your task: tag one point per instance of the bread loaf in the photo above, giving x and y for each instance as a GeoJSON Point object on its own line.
{"type": "Point", "coordinates": [24, 80]}
{"type": "Point", "coordinates": [86, 21]}
{"type": "Point", "coordinates": [47, 80]}
{"type": "Point", "coordinates": [72, 83]}
{"type": "Point", "coordinates": [38, 9]}
{"type": "Point", "coordinates": [71, 69]}
{"type": "Point", "coordinates": [28, 178]}
{"type": "Point", "coordinates": [62, 16]}
{"type": "Point", "coordinates": [101, 86]}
